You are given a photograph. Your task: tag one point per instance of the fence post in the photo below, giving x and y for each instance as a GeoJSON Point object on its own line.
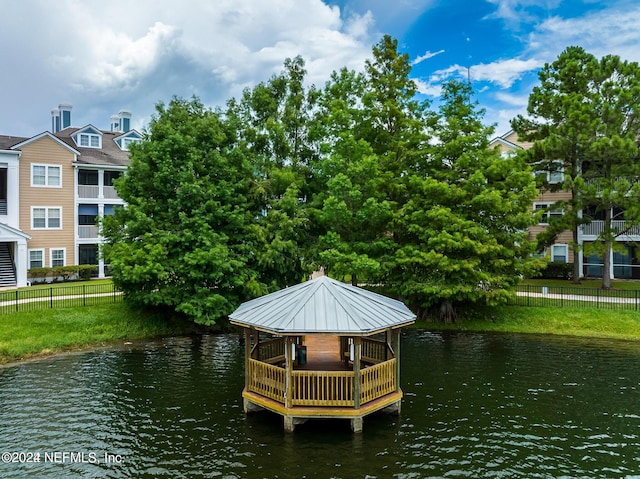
{"type": "Point", "coordinates": [51, 297]}
{"type": "Point", "coordinates": [16, 300]}
{"type": "Point", "coordinates": [84, 295]}
{"type": "Point", "coordinates": [636, 299]}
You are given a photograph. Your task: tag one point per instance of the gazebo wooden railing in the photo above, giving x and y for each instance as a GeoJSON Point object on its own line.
{"type": "Point", "coordinates": [323, 388]}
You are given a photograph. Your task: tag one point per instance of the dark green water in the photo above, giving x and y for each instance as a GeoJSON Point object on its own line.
{"type": "Point", "coordinates": [476, 405]}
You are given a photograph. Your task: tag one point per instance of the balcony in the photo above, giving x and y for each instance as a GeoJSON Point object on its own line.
{"type": "Point", "coordinates": [3, 207]}
{"type": "Point", "coordinates": [595, 228]}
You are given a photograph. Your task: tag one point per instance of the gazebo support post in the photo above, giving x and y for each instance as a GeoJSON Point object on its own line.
{"type": "Point", "coordinates": [356, 424]}
{"type": "Point", "coordinates": [356, 371]}
{"type": "Point", "coordinates": [397, 354]}
{"type": "Point", "coordinates": [388, 339]}
{"type": "Point", "coordinates": [247, 355]}
{"type": "Point", "coordinates": [288, 389]}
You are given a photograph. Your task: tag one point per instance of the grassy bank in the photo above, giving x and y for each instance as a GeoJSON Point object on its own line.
{"type": "Point", "coordinates": [585, 322]}
{"type": "Point", "coordinates": [38, 333]}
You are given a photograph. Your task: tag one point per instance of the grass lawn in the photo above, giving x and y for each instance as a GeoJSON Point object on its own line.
{"type": "Point", "coordinates": [37, 333]}
{"type": "Point", "coordinates": [585, 322]}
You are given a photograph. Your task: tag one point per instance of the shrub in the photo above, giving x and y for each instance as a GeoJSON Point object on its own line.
{"type": "Point", "coordinates": [63, 273]}
{"type": "Point", "coordinates": [556, 270]}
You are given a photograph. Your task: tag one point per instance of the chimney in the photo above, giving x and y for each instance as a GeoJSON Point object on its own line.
{"type": "Point", "coordinates": [121, 122]}
{"type": "Point", "coordinates": [60, 117]}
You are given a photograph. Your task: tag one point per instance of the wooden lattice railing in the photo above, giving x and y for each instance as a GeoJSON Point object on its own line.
{"type": "Point", "coordinates": [266, 380]}
{"type": "Point", "coordinates": [322, 388]}
{"type": "Point", "coordinates": [378, 380]}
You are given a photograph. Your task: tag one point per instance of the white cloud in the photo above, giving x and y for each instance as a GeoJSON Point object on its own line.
{"type": "Point", "coordinates": [426, 56]}
{"type": "Point", "coordinates": [504, 72]}
{"type": "Point", "coordinates": [602, 33]}
{"type": "Point", "coordinates": [121, 54]}
{"type": "Point", "coordinates": [429, 89]}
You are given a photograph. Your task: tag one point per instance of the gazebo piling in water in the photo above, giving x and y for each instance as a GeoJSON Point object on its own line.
{"type": "Point", "coordinates": [322, 349]}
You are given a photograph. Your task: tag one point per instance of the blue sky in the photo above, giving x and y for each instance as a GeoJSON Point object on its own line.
{"type": "Point", "coordinates": [103, 57]}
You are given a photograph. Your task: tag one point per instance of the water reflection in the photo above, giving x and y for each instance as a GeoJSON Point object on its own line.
{"type": "Point", "coordinates": [476, 405]}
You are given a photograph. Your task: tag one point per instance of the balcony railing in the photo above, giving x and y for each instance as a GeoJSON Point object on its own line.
{"type": "Point", "coordinates": [88, 191]}
{"type": "Point", "coordinates": [110, 193]}
{"type": "Point", "coordinates": [88, 232]}
{"type": "Point", "coordinates": [93, 191]}
{"type": "Point", "coordinates": [595, 228]}
{"type": "Point", "coordinates": [3, 207]}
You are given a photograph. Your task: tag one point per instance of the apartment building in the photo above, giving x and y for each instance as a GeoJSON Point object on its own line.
{"type": "Point", "coordinates": [53, 188]}
{"type": "Point", "coordinates": [623, 264]}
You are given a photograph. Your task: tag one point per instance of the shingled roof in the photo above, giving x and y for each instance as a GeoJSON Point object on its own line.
{"type": "Point", "coordinates": [324, 306]}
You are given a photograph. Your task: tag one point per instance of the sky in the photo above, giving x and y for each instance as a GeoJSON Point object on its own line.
{"type": "Point", "coordinates": [113, 55]}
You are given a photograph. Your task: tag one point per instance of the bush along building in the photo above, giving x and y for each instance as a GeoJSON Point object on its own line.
{"type": "Point", "coordinates": [623, 259]}
{"type": "Point", "coordinates": [54, 187]}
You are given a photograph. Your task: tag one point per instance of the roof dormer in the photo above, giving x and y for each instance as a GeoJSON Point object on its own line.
{"type": "Point", "coordinates": [123, 141]}
{"type": "Point", "coordinates": [88, 137]}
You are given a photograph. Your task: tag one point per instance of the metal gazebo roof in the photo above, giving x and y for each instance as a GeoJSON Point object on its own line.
{"type": "Point", "coordinates": [323, 305]}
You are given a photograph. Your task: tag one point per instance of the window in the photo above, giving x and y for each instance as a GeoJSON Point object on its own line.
{"type": "Point", "coordinates": [88, 254]}
{"type": "Point", "coordinates": [57, 257]}
{"type": "Point", "coordinates": [90, 140]}
{"type": "Point", "coordinates": [555, 174]}
{"type": "Point", "coordinates": [547, 212]}
{"type": "Point", "coordinates": [110, 176]}
{"type": "Point", "coordinates": [87, 215]}
{"type": "Point", "coordinates": [560, 253]}
{"type": "Point", "coordinates": [46, 175]}
{"type": "Point", "coordinates": [46, 218]}
{"type": "Point", "coordinates": [36, 258]}
{"type": "Point", "coordinates": [128, 141]}
{"type": "Point", "coordinates": [88, 177]}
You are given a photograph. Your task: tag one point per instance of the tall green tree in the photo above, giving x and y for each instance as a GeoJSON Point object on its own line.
{"type": "Point", "coordinates": [462, 233]}
{"type": "Point", "coordinates": [373, 129]}
{"type": "Point", "coordinates": [584, 121]}
{"type": "Point", "coordinates": [184, 240]}
{"type": "Point", "coordinates": [273, 123]}
{"type": "Point", "coordinates": [351, 206]}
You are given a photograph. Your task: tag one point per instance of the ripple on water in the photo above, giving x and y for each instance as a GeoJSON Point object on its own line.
{"type": "Point", "coordinates": [475, 405]}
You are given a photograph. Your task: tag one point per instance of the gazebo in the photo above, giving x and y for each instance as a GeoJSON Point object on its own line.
{"type": "Point", "coordinates": [322, 349]}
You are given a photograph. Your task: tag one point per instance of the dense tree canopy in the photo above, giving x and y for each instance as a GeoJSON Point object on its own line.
{"type": "Point", "coordinates": [358, 177]}
{"type": "Point", "coordinates": [462, 233]}
{"type": "Point", "coordinates": [184, 239]}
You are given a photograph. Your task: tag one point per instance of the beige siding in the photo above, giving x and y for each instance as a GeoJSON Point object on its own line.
{"type": "Point", "coordinates": [46, 151]}
{"type": "Point", "coordinates": [512, 137]}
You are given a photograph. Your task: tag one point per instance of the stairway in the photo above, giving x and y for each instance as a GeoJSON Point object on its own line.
{"type": "Point", "coordinates": [7, 269]}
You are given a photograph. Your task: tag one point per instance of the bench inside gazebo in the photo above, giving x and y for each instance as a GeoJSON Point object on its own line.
{"type": "Point", "coordinates": [322, 349]}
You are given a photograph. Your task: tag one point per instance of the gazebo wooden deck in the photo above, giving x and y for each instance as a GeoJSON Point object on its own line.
{"type": "Point", "coordinates": [322, 349]}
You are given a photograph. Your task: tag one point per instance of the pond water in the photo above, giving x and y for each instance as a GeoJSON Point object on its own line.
{"type": "Point", "coordinates": [475, 405]}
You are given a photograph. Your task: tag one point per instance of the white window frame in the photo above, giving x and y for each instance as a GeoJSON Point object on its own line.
{"type": "Point", "coordinates": [560, 246]}
{"type": "Point", "coordinates": [127, 141]}
{"type": "Point", "coordinates": [47, 217]}
{"type": "Point", "coordinates": [557, 212]}
{"type": "Point", "coordinates": [90, 138]}
{"type": "Point", "coordinates": [548, 174]}
{"type": "Point", "coordinates": [64, 256]}
{"type": "Point", "coordinates": [559, 172]}
{"type": "Point", "coordinates": [36, 250]}
{"type": "Point", "coordinates": [47, 183]}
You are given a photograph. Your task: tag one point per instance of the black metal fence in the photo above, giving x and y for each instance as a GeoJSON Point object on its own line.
{"type": "Point", "coordinates": [574, 297]}
{"type": "Point", "coordinates": [38, 298]}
